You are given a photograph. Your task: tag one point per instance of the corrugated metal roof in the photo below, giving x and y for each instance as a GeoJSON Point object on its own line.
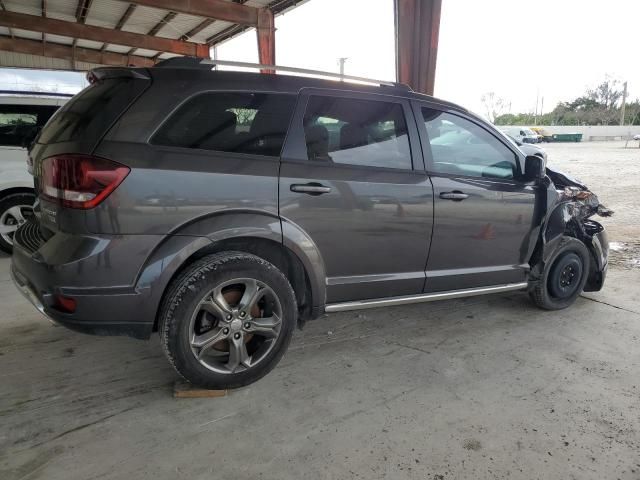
{"type": "Point", "coordinates": [108, 14]}
{"type": "Point", "coordinates": [13, 59]}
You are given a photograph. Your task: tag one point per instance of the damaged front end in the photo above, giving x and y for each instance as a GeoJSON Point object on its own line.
{"type": "Point", "coordinates": [569, 208]}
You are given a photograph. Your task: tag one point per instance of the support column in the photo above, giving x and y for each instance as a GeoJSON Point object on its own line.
{"type": "Point", "coordinates": [266, 32]}
{"type": "Point", "coordinates": [417, 33]}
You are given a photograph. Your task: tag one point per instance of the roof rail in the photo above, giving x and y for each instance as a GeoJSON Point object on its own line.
{"type": "Point", "coordinates": [206, 63]}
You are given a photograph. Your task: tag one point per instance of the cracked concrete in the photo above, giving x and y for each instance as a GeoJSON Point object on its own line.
{"type": "Point", "coordinates": [478, 388]}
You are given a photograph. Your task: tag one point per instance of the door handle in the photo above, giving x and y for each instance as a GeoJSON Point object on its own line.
{"type": "Point", "coordinates": [310, 188]}
{"type": "Point", "coordinates": [456, 196]}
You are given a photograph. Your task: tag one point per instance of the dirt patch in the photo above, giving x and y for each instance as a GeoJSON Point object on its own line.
{"type": "Point", "coordinates": [472, 444]}
{"type": "Point", "coordinates": [624, 254]}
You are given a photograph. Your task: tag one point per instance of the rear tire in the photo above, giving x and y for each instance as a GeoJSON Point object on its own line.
{"type": "Point", "coordinates": [564, 276]}
{"type": "Point", "coordinates": [227, 320]}
{"type": "Point", "coordinates": [13, 213]}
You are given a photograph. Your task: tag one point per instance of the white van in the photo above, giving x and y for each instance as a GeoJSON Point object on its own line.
{"type": "Point", "coordinates": [522, 134]}
{"type": "Point", "coordinates": [22, 115]}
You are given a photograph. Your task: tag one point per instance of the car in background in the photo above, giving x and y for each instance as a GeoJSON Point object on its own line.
{"type": "Point", "coordinates": [527, 148]}
{"type": "Point", "coordinates": [522, 134]}
{"type": "Point", "coordinates": [22, 116]}
{"type": "Point", "coordinates": [543, 134]}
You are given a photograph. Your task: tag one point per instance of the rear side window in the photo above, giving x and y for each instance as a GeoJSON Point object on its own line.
{"type": "Point", "coordinates": [357, 132]}
{"type": "Point", "coordinates": [251, 123]}
{"type": "Point", "coordinates": [88, 115]}
{"type": "Point", "coordinates": [19, 124]}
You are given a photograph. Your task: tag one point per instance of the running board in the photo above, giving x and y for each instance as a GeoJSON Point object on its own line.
{"type": "Point", "coordinates": [423, 297]}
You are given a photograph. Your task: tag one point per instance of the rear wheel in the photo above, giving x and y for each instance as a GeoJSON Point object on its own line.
{"type": "Point", "coordinates": [564, 276]}
{"type": "Point", "coordinates": [15, 209]}
{"type": "Point", "coordinates": [227, 320]}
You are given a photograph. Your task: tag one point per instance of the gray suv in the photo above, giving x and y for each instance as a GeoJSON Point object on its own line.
{"type": "Point", "coordinates": [223, 209]}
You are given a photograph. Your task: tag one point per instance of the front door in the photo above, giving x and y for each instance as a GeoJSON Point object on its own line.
{"type": "Point", "coordinates": [483, 211]}
{"type": "Point", "coordinates": [352, 178]}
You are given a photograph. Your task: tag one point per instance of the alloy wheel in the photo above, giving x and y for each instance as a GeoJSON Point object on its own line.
{"type": "Point", "coordinates": [235, 325]}
{"type": "Point", "coordinates": [11, 219]}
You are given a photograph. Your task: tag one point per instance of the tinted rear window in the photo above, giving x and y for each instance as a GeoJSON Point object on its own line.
{"type": "Point", "coordinates": [19, 124]}
{"type": "Point", "coordinates": [88, 115]}
{"type": "Point", "coordinates": [253, 123]}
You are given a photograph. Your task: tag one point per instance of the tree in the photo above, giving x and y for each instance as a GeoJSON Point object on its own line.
{"type": "Point", "coordinates": [494, 106]}
{"type": "Point", "coordinates": [607, 94]}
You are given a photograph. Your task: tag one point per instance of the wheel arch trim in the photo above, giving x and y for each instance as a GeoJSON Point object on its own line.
{"type": "Point", "coordinates": [198, 238]}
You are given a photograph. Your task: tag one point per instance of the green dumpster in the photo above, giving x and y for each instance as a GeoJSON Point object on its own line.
{"type": "Point", "coordinates": [567, 137]}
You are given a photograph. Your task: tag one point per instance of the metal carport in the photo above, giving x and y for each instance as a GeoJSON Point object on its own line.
{"type": "Point", "coordinates": [82, 34]}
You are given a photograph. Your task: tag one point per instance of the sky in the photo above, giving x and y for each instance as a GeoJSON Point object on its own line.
{"type": "Point", "coordinates": [522, 51]}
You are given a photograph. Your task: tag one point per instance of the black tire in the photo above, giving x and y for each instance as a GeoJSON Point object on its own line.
{"type": "Point", "coordinates": [564, 276]}
{"type": "Point", "coordinates": [7, 202]}
{"type": "Point", "coordinates": [182, 304]}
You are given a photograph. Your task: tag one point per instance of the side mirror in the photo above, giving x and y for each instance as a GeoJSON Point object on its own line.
{"type": "Point", "coordinates": [534, 167]}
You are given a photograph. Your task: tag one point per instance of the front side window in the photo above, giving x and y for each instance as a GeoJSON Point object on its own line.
{"type": "Point", "coordinates": [460, 147]}
{"type": "Point", "coordinates": [356, 132]}
{"type": "Point", "coordinates": [19, 124]}
{"type": "Point", "coordinates": [251, 123]}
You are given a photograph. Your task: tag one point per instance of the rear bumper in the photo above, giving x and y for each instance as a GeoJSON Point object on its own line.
{"type": "Point", "coordinates": [73, 269]}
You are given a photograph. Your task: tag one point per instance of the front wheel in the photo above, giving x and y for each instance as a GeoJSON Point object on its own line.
{"type": "Point", "coordinates": [227, 320]}
{"type": "Point", "coordinates": [15, 209]}
{"type": "Point", "coordinates": [564, 276]}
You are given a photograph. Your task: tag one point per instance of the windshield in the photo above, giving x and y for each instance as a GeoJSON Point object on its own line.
{"type": "Point", "coordinates": [20, 123]}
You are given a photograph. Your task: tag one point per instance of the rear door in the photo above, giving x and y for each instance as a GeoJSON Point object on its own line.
{"type": "Point", "coordinates": [483, 211]}
{"type": "Point", "coordinates": [352, 178]}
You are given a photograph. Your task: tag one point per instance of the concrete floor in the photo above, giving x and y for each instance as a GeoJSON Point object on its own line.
{"type": "Point", "coordinates": [486, 387]}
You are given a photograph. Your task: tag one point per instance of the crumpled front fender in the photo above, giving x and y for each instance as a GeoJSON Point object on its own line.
{"type": "Point", "coordinates": [569, 213]}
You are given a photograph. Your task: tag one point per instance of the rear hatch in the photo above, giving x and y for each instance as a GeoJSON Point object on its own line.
{"type": "Point", "coordinates": [69, 139]}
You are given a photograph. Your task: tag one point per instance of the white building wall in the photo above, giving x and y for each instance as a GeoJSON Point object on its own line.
{"type": "Point", "coordinates": [595, 132]}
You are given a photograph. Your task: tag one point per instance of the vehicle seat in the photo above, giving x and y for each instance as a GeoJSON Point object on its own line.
{"type": "Point", "coordinates": [220, 131]}
{"type": "Point", "coordinates": [317, 137]}
{"type": "Point", "coordinates": [265, 136]}
{"type": "Point", "coordinates": [352, 136]}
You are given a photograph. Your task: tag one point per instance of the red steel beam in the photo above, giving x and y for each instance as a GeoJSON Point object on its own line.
{"type": "Point", "coordinates": [266, 32]}
{"type": "Point", "coordinates": [4, 9]}
{"type": "Point", "coordinates": [100, 34]}
{"type": "Point", "coordinates": [54, 50]}
{"type": "Point", "coordinates": [216, 9]}
{"type": "Point", "coordinates": [123, 19]}
{"type": "Point", "coordinates": [197, 29]}
{"type": "Point", "coordinates": [417, 33]}
{"type": "Point", "coordinates": [157, 27]}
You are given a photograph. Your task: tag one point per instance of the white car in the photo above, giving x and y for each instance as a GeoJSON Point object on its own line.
{"type": "Point", "coordinates": [22, 115]}
{"type": "Point", "coordinates": [522, 134]}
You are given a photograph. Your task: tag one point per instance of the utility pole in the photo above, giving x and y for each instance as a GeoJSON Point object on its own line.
{"type": "Point", "coordinates": [624, 102]}
{"type": "Point", "coordinates": [342, 61]}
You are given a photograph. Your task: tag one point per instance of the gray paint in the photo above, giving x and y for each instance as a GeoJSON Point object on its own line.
{"type": "Point", "coordinates": [378, 233]}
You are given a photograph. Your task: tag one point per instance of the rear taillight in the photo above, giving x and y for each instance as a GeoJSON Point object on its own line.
{"type": "Point", "coordinates": [64, 304]}
{"type": "Point", "coordinates": [80, 181]}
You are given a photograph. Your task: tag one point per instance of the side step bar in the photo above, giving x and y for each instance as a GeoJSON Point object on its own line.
{"type": "Point", "coordinates": [423, 297]}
